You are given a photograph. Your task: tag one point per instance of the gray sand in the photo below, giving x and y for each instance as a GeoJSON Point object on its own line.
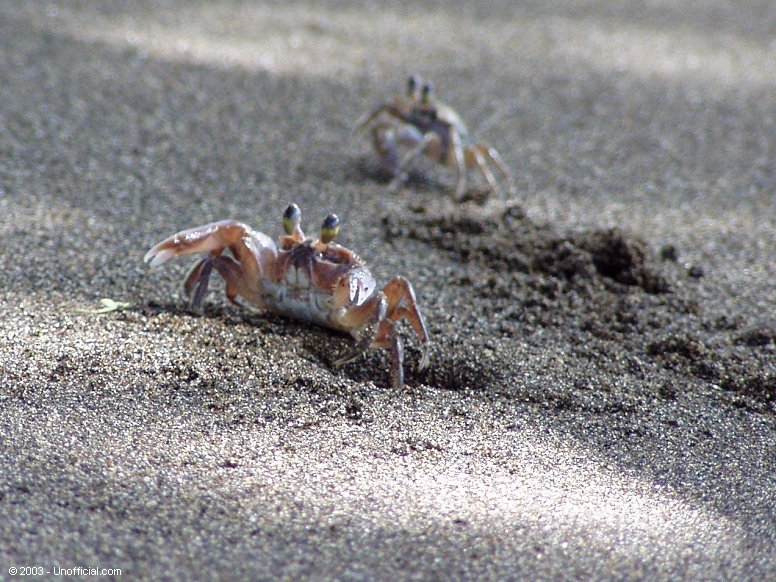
{"type": "Point", "coordinates": [592, 410]}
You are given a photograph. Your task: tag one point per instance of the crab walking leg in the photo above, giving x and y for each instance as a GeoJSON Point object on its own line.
{"type": "Point", "coordinates": [475, 157]}
{"type": "Point", "coordinates": [402, 304]}
{"type": "Point", "coordinates": [378, 332]}
{"type": "Point", "coordinates": [362, 346]}
{"type": "Point", "coordinates": [429, 143]}
{"type": "Point", "coordinates": [387, 338]}
{"type": "Point", "coordinates": [365, 318]}
{"type": "Point", "coordinates": [458, 159]}
{"type": "Point", "coordinates": [492, 154]}
{"type": "Point", "coordinates": [389, 108]}
{"type": "Point", "coordinates": [387, 137]}
{"type": "Point", "coordinates": [366, 119]}
{"type": "Point", "coordinates": [234, 276]}
{"type": "Point", "coordinates": [197, 282]}
{"type": "Point", "coordinates": [384, 141]}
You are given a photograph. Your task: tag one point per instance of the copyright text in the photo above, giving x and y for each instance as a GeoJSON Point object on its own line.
{"type": "Point", "coordinates": [59, 571]}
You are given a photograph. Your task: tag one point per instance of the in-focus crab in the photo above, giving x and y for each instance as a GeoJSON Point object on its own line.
{"type": "Point", "coordinates": [311, 280]}
{"type": "Point", "coordinates": [432, 128]}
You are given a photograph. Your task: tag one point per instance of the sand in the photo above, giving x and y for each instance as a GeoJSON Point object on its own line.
{"type": "Point", "coordinates": [601, 399]}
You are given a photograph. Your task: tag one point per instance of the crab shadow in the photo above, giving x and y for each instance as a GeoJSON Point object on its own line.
{"type": "Point", "coordinates": [314, 344]}
{"type": "Point", "coordinates": [366, 170]}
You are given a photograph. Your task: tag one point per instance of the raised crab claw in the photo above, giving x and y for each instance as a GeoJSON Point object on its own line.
{"type": "Point", "coordinates": [313, 280]}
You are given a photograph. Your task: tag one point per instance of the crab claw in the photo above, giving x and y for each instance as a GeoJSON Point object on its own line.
{"type": "Point", "coordinates": [202, 239]}
{"type": "Point", "coordinates": [254, 251]}
{"type": "Point", "coordinates": [157, 256]}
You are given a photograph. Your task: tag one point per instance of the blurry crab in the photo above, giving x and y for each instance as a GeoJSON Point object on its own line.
{"type": "Point", "coordinates": [311, 280]}
{"type": "Point", "coordinates": [389, 129]}
{"type": "Point", "coordinates": [429, 127]}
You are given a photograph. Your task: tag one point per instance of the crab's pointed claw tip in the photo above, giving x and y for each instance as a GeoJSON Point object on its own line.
{"type": "Point", "coordinates": [156, 257]}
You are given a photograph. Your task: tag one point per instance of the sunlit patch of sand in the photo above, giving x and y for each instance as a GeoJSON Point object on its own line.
{"type": "Point", "coordinates": [313, 39]}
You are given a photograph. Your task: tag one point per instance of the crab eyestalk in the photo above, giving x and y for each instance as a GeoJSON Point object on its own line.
{"type": "Point", "coordinates": [292, 218]}
{"type": "Point", "coordinates": [412, 85]}
{"type": "Point", "coordinates": [329, 228]}
{"type": "Point", "coordinates": [425, 93]}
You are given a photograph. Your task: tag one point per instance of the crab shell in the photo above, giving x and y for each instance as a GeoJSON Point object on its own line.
{"type": "Point", "coordinates": [389, 129]}
{"type": "Point", "coordinates": [301, 278]}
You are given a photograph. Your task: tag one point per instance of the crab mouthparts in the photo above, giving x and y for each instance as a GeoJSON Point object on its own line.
{"type": "Point", "coordinates": [298, 278]}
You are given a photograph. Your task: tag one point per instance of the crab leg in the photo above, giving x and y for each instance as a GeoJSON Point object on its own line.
{"type": "Point", "coordinates": [368, 118]}
{"type": "Point", "coordinates": [389, 108]}
{"type": "Point", "coordinates": [429, 145]}
{"type": "Point", "coordinates": [196, 283]}
{"type": "Point", "coordinates": [377, 337]}
{"type": "Point", "coordinates": [458, 159]}
{"type": "Point", "coordinates": [362, 345]}
{"type": "Point", "coordinates": [377, 331]}
{"type": "Point", "coordinates": [384, 142]}
{"type": "Point", "coordinates": [364, 317]}
{"type": "Point", "coordinates": [492, 154]}
{"type": "Point", "coordinates": [402, 304]}
{"type": "Point", "coordinates": [387, 338]}
{"type": "Point", "coordinates": [475, 157]}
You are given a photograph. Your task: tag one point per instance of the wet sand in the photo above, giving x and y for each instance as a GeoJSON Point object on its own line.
{"type": "Point", "coordinates": [601, 399]}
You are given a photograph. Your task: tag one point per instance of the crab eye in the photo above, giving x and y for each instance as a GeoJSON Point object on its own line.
{"type": "Point", "coordinates": [426, 91]}
{"type": "Point", "coordinates": [291, 218]}
{"type": "Point", "coordinates": [412, 85]}
{"type": "Point", "coordinates": [329, 228]}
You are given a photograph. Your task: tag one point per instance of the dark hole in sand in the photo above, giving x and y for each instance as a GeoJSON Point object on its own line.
{"type": "Point", "coordinates": [508, 241]}
{"type": "Point", "coordinates": [622, 301]}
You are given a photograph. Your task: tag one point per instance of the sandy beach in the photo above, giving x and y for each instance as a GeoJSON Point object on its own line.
{"type": "Point", "coordinates": [601, 398]}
